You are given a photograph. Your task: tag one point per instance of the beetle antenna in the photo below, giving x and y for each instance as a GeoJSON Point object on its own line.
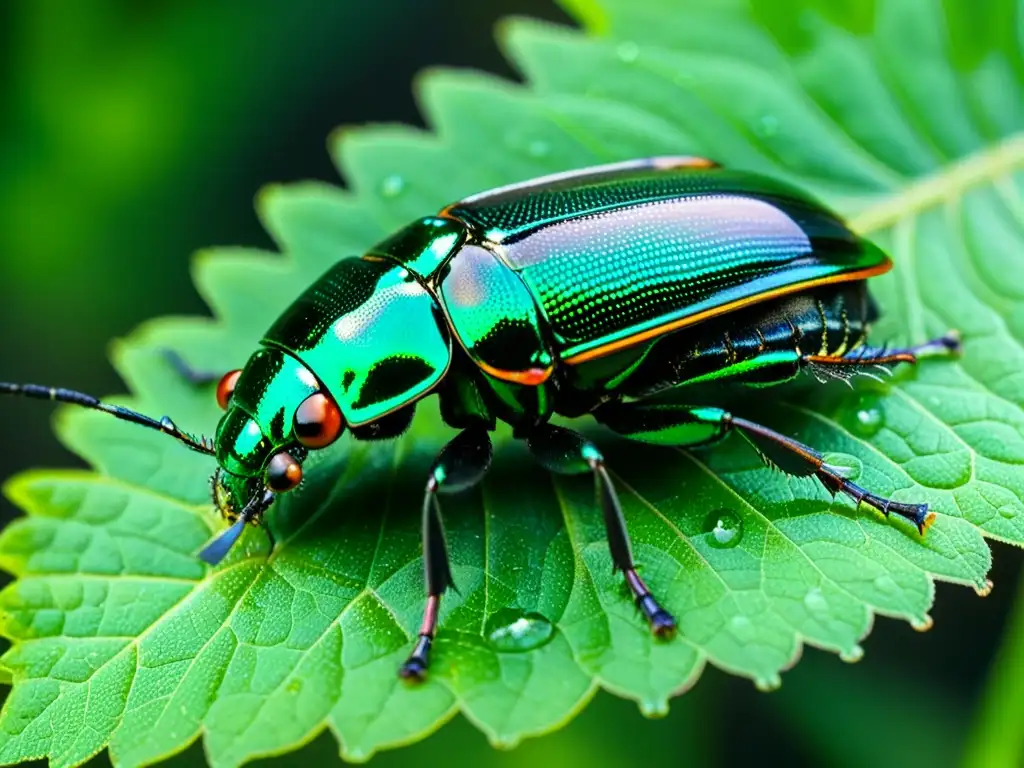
{"type": "Point", "coordinates": [165, 425]}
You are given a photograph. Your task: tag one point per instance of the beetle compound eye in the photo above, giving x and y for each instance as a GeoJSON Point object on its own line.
{"type": "Point", "coordinates": [283, 473]}
{"type": "Point", "coordinates": [226, 388]}
{"type": "Point", "coordinates": [318, 421]}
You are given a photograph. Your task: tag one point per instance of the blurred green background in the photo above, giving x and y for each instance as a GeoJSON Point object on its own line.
{"type": "Point", "coordinates": [134, 133]}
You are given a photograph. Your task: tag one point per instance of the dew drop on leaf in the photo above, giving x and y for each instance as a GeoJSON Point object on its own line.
{"type": "Point", "coordinates": [768, 684]}
{"type": "Point", "coordinates": [742, 628]}
{"type": "Point", "coordinates": [767, 125]}
{"type": "Point", "coordinates": [392, 185]}
{"type": "Point", "coordinates": [538, 148]}
{"type": "Point", "coordinates": [511, 631]}
{"type": "Point", "coordinates": [984, 590]}
{"type": "Point", "coordinates": [627, 51]}
{"type": "Point", "coordinates": [1007, 512]}
{"type": "Point", "coordinates": [816, 602]}
{"type": "Point", "coordinates": [725, 529]}
{"type": "Point", "coordinates": [886, 584]}
{"type": "Point", "coordinates": [866, 418]}
{"type": "Point", "coordinates": [922, 624]}
{"type": "Point", "coordinates": [850, 467]}
{"type": "Point", "coordinates": [852, 656]}
{"type": "Point", "coordinates": [654, 709]}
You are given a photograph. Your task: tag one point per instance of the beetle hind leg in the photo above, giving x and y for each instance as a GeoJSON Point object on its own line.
{"type": "Point", "coordinates": [566, 452]}
{"type": "Point", "coordinates": [861, 359]}
{"type": "Point", "coordinates": [681, 425]}
{"type": "Point", "coordinates": [795, 458]}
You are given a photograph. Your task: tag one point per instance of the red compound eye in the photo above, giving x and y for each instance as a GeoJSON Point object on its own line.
{"type": "Point", "coordinates": [318, 422]}
{"type": "Point", "coordinates": [226, 388]}
{"type": "Point", "coordinates": [283, 473]}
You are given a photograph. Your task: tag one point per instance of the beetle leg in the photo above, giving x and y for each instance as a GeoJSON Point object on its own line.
{"type": "Point", "coordinates": [192, 375]}
{"type": "Point", "coordinates": [860, 359]}
{"type": "Point", "coordinates": [671, 424]}
{"type": "Point", "coordinates": [461, 465]}
{"type": "Point", "coordinates": [566, 452]}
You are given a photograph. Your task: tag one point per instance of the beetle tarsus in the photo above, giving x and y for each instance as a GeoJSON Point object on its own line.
{"type": "Point", "coordinates": [662, 623]}
{"type": "Point", "coordinates": [415, 667]}
{"type": "Point", "coordinates": [918, 514]}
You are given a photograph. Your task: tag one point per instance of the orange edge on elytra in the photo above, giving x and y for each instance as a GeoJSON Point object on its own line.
{"type": "Point", "coordinates": [683, 322]}
{"type": "Point", "coordinates": [531, 377]}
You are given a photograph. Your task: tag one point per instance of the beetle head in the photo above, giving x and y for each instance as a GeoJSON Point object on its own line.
{"type": "Point", "coordinates": [275, 414]}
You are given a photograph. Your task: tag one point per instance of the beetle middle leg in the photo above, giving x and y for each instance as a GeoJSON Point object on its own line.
{"type": "Point", "coordinates": [461, 465]}
{"type": "Point", "coordinates": [681, 425]}
{"type": "Point", "coordinates": [566, 452]}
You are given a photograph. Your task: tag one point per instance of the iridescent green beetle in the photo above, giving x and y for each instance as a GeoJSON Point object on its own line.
{"type": "Point", "coordinates": [587, 292]}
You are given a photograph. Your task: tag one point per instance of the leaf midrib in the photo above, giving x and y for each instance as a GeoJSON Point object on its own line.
{"type": "Point", "coordinates": [985, 166]}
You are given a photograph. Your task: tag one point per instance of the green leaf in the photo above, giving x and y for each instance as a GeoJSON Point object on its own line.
{"type": "Point", "coordinates": [906, 116]}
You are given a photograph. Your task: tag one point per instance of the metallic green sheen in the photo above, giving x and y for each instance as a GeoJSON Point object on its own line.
{"type": "Point", "coordinates": [672, 425]}
{"type": "Point", "coordinates": [242, 449]}
{"type": "Point", "coordinates": [423, 246]}
{"type": "Point", "coordinates": [371, 334]}
{"type": "Point", "coordinates": [608, 255]}
{"type": "Point", "coordinates": [492, 312]}
{"type": "Point", "coordinates": [272, 386]}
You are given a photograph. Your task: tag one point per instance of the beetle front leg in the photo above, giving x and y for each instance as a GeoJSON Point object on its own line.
{"type": "Point", "coordinates": [461, 465]}
{"type": "Point", "coordinates": [569, 453]}
{"type": "Point", "coordinates": [680, 425]}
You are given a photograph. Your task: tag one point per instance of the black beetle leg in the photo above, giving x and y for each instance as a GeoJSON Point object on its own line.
{"type": "Point", "coordinates": [187, 372]}
{"type": "Point", "coordinates": [461, 465]}
{"type": "Point", "coordinates": [566, 452]}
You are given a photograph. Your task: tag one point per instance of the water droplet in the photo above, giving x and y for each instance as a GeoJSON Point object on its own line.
{"type": "Point", "coordinates": [923, 624]}
{"type": "Point", "coordinates": [984, 590]}
{"type": "Point", "coordinates": [768, 684]}
{"type": "Point", "coordinates": [886, 584]}
{"type": "Point", "coordinates": [1008, 512]}
{"type": "Point", "coordinates": [865, 419]}
{"type": "Point", "coordinates": [392, 186]}
{"type": "Point", "coordinates": [852, 656]}
{"type": "Point", "coordinates": [725, 529]}
{"type": "Point", "coordinates": [815, 601]}
{"type": "Point", "coordinates": [654, 709]}
{"type": "Point", "coordinates": [742, 628]}
{"type": "Point", "coordinates": [627, 51]}
{"type": "Point", "coordinates": [511, 631]}
{"type": "Point", "coordinates": [846, 465]}
{"type": "Point", "coordinates": [538, 148]}
{"type": "Point", "coordinates": [767, 125]}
